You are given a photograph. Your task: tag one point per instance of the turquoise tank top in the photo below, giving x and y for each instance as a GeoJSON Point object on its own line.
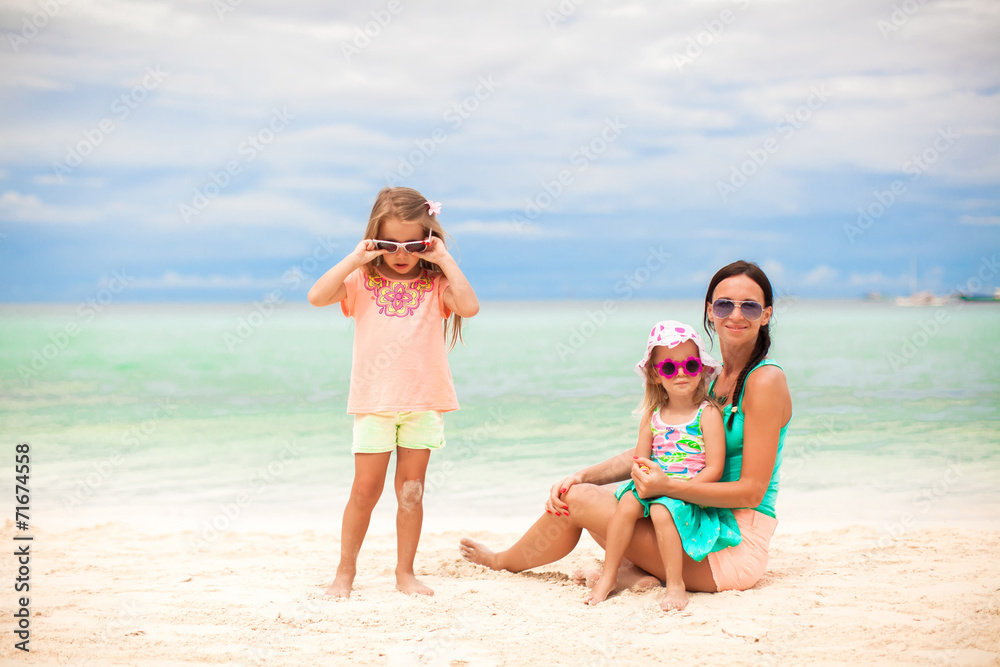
{"type": "Point", "coordinates": [734, 450]}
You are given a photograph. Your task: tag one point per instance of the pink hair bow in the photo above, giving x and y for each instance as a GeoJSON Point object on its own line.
{"type": "Point", "coordinates": [433, 207]}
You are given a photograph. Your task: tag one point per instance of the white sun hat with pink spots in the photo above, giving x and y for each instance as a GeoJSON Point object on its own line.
{"type": "Point", "coordinates": [672, 333]}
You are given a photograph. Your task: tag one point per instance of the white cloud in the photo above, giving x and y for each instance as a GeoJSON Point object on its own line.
{"type": "Point", "coordinates": [174, 280]}
{"type": "Point", "coordinates": [18, 207]}
{"type": "Point", "coordinates": [505, 228]}
{"type": "Point", "coordinates": [980, 220]}
{"type": "Point", "coordinates": [821, 275]}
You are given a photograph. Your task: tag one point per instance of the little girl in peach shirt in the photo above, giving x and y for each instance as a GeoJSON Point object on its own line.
{"type": "Point", "coordinates": [399, 284]}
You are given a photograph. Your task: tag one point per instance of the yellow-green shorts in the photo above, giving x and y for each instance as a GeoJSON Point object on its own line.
{"type": "Point", "coordinates": [379, 432]}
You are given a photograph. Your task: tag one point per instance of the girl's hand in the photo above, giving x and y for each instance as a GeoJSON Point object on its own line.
{"type": "Point", "coordinates": [555, 503]}
{"type": "Point", "coordinates": [365, 251]}
{"type": "Point", "coordinates": [650, 480]}
{"type": "Point", "coordinates": [436, 252]}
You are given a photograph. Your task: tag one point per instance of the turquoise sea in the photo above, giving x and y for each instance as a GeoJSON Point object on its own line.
{"type": "Point", "coordinates": [212, 418]}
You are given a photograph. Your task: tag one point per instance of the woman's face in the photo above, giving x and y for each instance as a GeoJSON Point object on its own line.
{"type": "Point", "coordinates": [735, 329]}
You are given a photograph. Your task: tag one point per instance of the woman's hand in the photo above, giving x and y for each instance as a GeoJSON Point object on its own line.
{"type": "Point", "coordinates": [555, 503]}
{"type": "Point", "coordinates": [650, 480]}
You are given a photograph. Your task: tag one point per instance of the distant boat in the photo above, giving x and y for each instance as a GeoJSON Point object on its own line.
{"type": "Point", "coordinates": [981, 298]}
{"type": "Point", "coordinates": [922, 299]}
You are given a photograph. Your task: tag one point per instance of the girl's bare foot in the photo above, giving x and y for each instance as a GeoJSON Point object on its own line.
{"type": "Point", "coordinates": [675, 598]}
{"type": "Point", "coordinates": [410, 585]}
{"type": "Point", "coordinates": [478, 553]}
{"type": "Point", "coordinates": [342, 585]}
{"type": "Point", "coordinates": [599, 593]}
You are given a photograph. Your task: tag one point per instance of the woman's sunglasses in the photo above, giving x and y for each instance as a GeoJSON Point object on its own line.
{"type": "Point", "coordinates": [410, 246]}
{"type": "Point", "coordinates": [669, 368]}
{"type": "Point", "coordinates": [750, 309]}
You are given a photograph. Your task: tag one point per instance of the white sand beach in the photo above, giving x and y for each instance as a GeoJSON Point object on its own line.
{"type": "Point", "coordinates": [114, 595]}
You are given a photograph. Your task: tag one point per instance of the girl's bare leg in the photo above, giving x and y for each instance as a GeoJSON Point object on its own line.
{"type": "Point", "coordinates": [644, 553]}
{"type": "Point", "coordinates": [672, 554]}
{"type": "Point", "coordinates": [411, 469]}
{"type": "Point", "coordinates": [369, 478]}
{"type": "Point", "coordinates": [550, 537]}
{"type": "Point", "coordinates": [620, 529]}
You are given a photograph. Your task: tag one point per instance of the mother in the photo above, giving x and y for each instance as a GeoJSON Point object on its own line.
{"type": "Point", "coordinates": [738, 308]}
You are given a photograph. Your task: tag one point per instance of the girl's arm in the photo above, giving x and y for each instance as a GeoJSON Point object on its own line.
{"type": "Point", "coordinates": [767, 407]}
{"type": "Point", "coordinates": [459, 297]}
{"type": "Point", "coordinates": [615, 469]}
{"type": "Point", "coordinates": [330, 286]}
{"type": "Point", "coordinates": [714, 434]}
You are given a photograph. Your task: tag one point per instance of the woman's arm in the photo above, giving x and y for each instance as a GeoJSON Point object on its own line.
{"type": "Point", "coordinates": [615, 469]}
{"type": "Point", "coordinates": [767, 407]}
{"type": "Point", "coordinates": [714, 434]}
{"type": "Point", "coordinates": [330, 287]}
{"type": "Point", "coordinates": [459, 297]}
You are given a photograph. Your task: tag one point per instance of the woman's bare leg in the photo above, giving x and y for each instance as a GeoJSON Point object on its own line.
{"type": "Point", "coordinates": [620, 529]}
{"type": "Point", "coordinates": [550, 537]}
{"type": "Point", "coordinates": [672, 554]}
{"type": "Point", "coordinates": [644, 552]}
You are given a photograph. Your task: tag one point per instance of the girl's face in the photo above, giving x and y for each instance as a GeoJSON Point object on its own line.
{"type": "Point", "coordinates": [682, 384]}
{"type": "Point", "coordinates": [401, 265]}
{"type": "Point", "coordinates": [735, 329]}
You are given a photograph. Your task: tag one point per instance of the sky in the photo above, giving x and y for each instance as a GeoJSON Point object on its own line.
{"type": "Point", "coordinates": [228, 150]}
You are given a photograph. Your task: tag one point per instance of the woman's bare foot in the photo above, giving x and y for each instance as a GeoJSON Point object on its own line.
{"type": "Point", "coordinates": [675, 598]}
{"type": "Point", "coordinates": [588, 578]}
{"type": "Point", "coordinates": [635, 578]}
{"type": "Point", "coordinates": [410, 585]}
{"type": "Point", "coordinates": [599, 593]}
{"type": "Point", "coordinates": [478, 553]}
{"type": "Point", "coordinates": [629, 577]}
{"type": "Point", "coordinates": [342, 585]}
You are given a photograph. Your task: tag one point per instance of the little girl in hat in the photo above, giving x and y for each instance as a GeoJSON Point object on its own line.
{"type": "Point", "coordinates": [682, 431]}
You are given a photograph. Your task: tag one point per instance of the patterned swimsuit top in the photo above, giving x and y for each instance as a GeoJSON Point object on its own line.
{"type": "Point", "coordinates": [679, 449]}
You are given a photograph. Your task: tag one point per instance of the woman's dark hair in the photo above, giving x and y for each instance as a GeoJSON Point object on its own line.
{"type": "Point", "coordinates": [754, 272]}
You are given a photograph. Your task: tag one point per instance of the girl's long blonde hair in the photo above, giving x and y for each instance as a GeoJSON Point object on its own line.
{"type": "Point", "coordinates": [408, 205]}
{"type": "Point", "coordinates": [656, 396]}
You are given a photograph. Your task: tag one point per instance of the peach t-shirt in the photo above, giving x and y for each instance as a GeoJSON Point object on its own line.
{"type": "Point", "coordinates": [400, 362]}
